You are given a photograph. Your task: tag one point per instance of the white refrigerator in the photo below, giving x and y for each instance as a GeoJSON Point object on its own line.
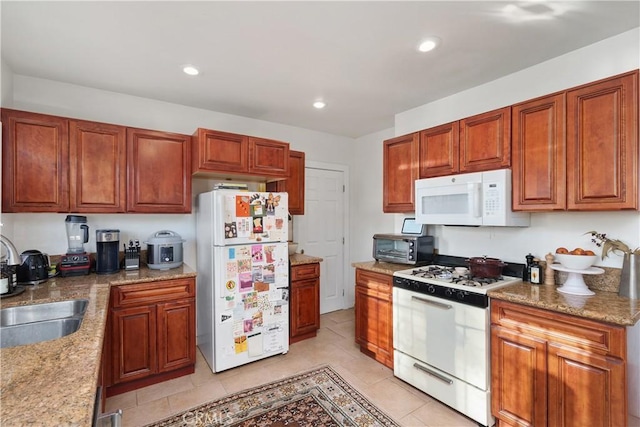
{"type": "Point", "coordinates": [242, 293]}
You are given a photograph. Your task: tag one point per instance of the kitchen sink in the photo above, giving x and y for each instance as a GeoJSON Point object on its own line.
{"type": "Point", "coordinates": [29, 324]}
{"type": "Point", "coordinates": [39, 312]}
{"type": "Point", "coordinates": [29, 333]}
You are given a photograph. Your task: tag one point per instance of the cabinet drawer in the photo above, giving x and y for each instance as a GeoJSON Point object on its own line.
{"type": "Point", "coordinates": [305, 271]}
{"type": "Point", "coordinates": [560, 328]}
{"type": "Point", "coordinates": [152, 292]}
{"type": "Point", "coordinates": [380, 281]}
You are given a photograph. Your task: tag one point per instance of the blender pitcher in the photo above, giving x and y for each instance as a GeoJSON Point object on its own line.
{"type": "Point", "coordinates": [77, 233]}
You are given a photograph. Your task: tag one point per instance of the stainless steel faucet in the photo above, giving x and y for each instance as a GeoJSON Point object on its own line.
{"type": "Point", "coordinates": [13, 257]}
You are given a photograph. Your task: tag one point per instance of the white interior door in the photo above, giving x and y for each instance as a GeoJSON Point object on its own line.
{"type": "Point", "coordinates": [320, 232]}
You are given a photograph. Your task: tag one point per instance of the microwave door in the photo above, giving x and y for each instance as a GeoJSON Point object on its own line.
{"type": "Point", "coordinates": [450, 205]}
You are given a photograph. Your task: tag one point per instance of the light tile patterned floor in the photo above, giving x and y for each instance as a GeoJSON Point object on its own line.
{"type": "Point", "coordinates": [334, 345]}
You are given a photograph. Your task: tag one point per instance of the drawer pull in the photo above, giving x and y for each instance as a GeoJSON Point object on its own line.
{"type": "Point", "coordinates": [433, 374]}
{"type": "Point", "coordinates": [433, 303]}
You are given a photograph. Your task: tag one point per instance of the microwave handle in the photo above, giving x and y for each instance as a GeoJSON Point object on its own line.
{"type": "Point", "coordinates": [475, 199]}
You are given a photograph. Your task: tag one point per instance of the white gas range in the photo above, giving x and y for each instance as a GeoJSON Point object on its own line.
{"type": "Point", "coordinates": [441, 335]}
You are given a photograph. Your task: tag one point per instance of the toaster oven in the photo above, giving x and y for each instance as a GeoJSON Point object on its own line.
{"type": "Point", "coordinates": [403, 249]}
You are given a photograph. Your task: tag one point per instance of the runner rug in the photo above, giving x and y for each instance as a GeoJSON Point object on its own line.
{"type": "Point", "coordinates": [316, 398]}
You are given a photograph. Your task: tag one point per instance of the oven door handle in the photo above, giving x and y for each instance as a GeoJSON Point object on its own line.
{"type": "Point", "coordinates": [433, 303]}
{"type": "Point", "coordinates": [433, 374]}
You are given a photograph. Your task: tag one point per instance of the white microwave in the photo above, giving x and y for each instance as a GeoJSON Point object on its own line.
{"type": "Point", "coordinates": [477, 199]}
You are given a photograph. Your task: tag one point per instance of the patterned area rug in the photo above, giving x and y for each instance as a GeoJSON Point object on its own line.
{"type": "Point", "coordinates": [316, 398]}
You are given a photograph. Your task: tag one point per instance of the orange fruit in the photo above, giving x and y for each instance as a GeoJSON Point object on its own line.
{"type": "Point", "coordinates": [589, 252]}
{"type": "Point", "coordinates": [577, 251]}
{"type": "Point", "coordinates": [562, 250]}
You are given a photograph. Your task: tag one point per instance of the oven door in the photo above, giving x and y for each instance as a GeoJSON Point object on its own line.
{"type": "Point", "coordinates": [447, 335]}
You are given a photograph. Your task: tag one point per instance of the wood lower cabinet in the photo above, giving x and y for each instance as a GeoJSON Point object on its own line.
{"type": "Point", "coordinates": [374, 315]}
{"type": "Point", "coordinates": [400, 170]}
{"type": "Point", "coordinates": [159, 171]}
{"type": "Point", "coordinates": [35, 162]}
{"type": "Point", "coordinates": [305, 302]}
{"type": "Point", "coordinates": [151, 334]}
{"type": "Point", "coordinates": [294, 184]}
{"type": "Point", "coordinates": [554, 369]}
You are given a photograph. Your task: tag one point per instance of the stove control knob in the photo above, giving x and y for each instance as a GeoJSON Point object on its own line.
{"type": "Point", "coordinates": [460, 295]}
{"type": "Point", "coordinates": [431, 289]}
{"type": "Point", "coordinates": [448, 292]}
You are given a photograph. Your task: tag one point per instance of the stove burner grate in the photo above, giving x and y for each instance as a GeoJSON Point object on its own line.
{"type": "Point", "coordinates": [448, 274]}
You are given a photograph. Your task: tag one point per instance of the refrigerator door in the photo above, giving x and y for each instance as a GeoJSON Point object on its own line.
{"type": "Point", "coordinates": [251, 300]}
{"type": "Point", "coordinates": [248, 217]}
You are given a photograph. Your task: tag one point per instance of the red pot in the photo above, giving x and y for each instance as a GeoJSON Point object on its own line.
{"type": "Point", "coordinates": [485, 267]}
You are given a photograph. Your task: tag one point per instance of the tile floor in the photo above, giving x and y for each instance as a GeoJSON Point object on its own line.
{"type": "Point", "coordinates": [334, 345]}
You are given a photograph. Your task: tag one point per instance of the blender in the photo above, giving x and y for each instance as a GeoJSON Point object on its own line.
{"type": "Point", "coordinates": [76, 262]}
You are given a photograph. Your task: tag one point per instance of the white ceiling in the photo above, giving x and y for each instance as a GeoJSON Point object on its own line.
{"type": "Point", "coordinates": [271, 60]}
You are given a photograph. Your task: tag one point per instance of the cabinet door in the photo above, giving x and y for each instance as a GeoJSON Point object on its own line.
{"type": "Point", "coordinates": [305, 306]}
{"type": "Point", "coordinates": [98, 167]}
{"type": "Point", "coordinates": [485, 141]}
{"type": "Point", "coordinates": [374, 324]}
{"type": "Point", "coordinates": [400, 170]}
{"type": "Point", "coordinates": [268, 157]}
{"type": "Point", "coordinates": [602, 145]}
{"type": "Point", "coordinates": [294, 184]}
{"type": "Point", "coordinates": [133, 342]}
{"type": "Point", "coordinates": [159, 178]}
{"type": "Point", "coordinates": [176, 335]}
{"type": "Point", "coordinates": [539, 156]}
{"type": "Point", "coordinates": [518, 378]}
{"type": "Point", "coordinates": [35, 162]}
{"type": "Point", "coordinates": [585, 389]}
{"type": "Point", "coordinates": [215, 151]}
{"type": "Point", "coordinates": [440, 150]}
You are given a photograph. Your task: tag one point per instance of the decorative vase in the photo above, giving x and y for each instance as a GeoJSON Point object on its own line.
{"type": "Point", "coordinates": [630, 277]}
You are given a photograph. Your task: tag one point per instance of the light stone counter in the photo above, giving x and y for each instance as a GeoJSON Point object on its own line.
{"type": "Point", "coordinates": [380, 267]}
{"type": "Point", "coordinates": [604, 306]}
{"type": "Point", "coordinates": [300, 259]}
{"type": "Point", "coordinates": [54, 382]}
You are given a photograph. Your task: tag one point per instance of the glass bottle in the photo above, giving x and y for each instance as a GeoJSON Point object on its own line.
{"type": "Point", "coordinates": [526, 273]}
{"type": "Point", "coordinates": [536, 272]}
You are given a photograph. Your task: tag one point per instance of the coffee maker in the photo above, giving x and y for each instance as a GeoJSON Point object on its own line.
{"type": "Point", "coordinates": [76, 262]}
{"type": "Point", "coordinates": [107, 242]}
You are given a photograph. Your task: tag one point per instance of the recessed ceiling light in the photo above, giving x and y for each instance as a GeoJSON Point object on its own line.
{"type": "Point", "coordinates": [319, 104]}
{"type": "Point", "coordinates": [191, 70]}
{"type": "Point", "coordinates": [429, 44]}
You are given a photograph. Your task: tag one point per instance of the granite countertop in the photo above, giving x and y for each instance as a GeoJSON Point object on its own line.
{"type": "Point", "coordinates": [380, 267]}
{"type": "Point", "coordinates": [300, 259]}
{"type": "Point", "coordinates": [604, 306]}
{"type": "Point", "coordinates": [54, 382]}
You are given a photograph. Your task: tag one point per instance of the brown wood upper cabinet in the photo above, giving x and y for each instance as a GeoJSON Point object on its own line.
{"type": "Point", "coordinates": [578, 149]}
{"type": "Point", "coordinates": [400, 170]}
{"type": "Point", "coordinates": [473, 144]}
{"type": "Point", "coordinates": [98, 167]}
{"type": "Point", "coordinates": [158, 168]}
{"type": "Point", "coordinates": [294, 184]}
{"type": "Point", "coordinates": [35, 162]}
{"type": "Point", "coordinates": [216, 152]}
